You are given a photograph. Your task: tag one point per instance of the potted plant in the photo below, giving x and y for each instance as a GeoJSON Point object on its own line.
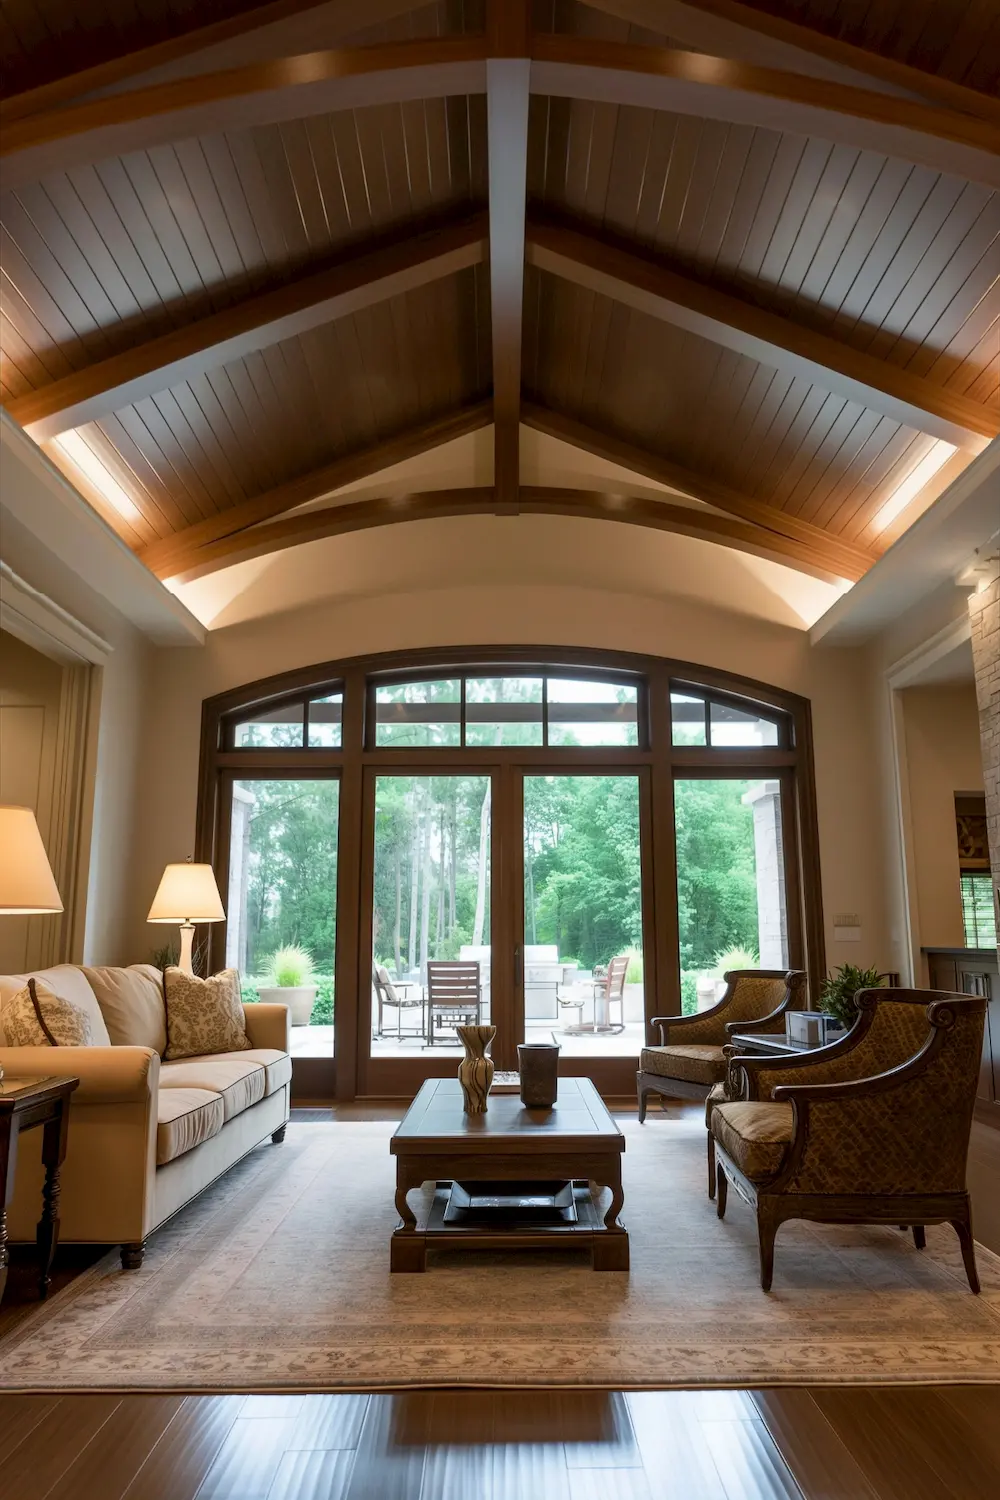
{"type": "Point", "coordinates": [840, 988]}
{"type": "Point", "coordinates": [287, 983]}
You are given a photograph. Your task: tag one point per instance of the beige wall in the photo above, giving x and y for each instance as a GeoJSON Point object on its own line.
{"type": "Point", "coordinates": [940, 755]}
{"type": "Point", "coordinates": [30, 691]}
{"type": "Point", "coordinates": [833, 679]}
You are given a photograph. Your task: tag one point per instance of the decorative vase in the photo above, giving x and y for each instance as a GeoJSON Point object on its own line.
{"type": "Point", "coordinates": [538, 1063]}
{"type": "Point", "coordinates": [475, 1071]}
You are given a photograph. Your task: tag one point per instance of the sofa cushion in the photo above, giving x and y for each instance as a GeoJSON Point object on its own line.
{"type": "Point", "coordinates": [693, 1064]}
{"type": "Point", "coordinates": [131, 1002]}
{"type": "Point", "coordinates": [238, 1083]}
{"type": "Point", "coordinates": [185, 1118]}
{"type": "Point", "coordinates": [37, 1017]}
{"type": "Point", "coordinates": [277, 1065]}
{"type": "Point", "coordinates": [203, 1015]}
{"type": "Point", "coordinates": [754, 1135]}
{"type": "Point", "coordinates": [69, 983]}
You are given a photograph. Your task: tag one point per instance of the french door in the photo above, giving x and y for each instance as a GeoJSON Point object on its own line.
{"type": "Point", "coordinates": [526, 884]}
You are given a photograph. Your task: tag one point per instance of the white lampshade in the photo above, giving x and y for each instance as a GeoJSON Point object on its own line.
{"type": "Point", "coordinates": [187, 893]}
{"type": "Point", "coordinates": [27, 884]}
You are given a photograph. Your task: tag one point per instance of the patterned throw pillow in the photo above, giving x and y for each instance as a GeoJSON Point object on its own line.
{"type": "Point", "coordinates": [203, 1015]}
{"type": "Point", "coordinates": [37, 1017]}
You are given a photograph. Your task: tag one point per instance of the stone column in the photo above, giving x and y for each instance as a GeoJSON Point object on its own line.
{"type": "Point", "coordinates": [772, 920]}
{"type": "Point", "coordinates": [984, 611]}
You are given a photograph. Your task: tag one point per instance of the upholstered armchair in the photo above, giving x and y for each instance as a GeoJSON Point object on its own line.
{"type": "Point", "coordinates": [817, 1139]}
{"type": "Point", "coordinates": [881, 1038]}
{"type": "Point", "coordinates": [690, 1059]}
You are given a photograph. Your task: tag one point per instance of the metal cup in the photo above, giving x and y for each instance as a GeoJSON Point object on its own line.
{"type": "Point", "coordinates": [538, 1063]}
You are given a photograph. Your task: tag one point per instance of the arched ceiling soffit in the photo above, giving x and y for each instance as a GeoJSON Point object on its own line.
{"type": "Point", "coordinates": [256, 269]}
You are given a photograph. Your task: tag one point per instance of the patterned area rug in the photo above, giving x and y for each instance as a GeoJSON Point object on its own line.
{"type": "Point", "coordinates": [278, 1278]}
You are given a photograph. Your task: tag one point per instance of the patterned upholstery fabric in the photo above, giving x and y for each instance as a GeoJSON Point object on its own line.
{"type": "Point", "coordinates": [754, 1136]}
{"type": "Point", "coordinates": [203, 1015]}
{"type": "Point", "coordinates": [691, 1064]}
{"type": "Point", "coordinates": [717, 1095]}
{"type": "Point", "coordinates": [897, 1032]}
{"type": "Point", "coordinates": [750, 999]}
{"type": "Point", "coordinates": [910, 1138]}
{"type": "Point", "coordinates": [45, 1019]}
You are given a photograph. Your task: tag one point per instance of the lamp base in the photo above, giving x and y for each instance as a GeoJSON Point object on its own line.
{"type": "Point", "coordinates": [186, 960]}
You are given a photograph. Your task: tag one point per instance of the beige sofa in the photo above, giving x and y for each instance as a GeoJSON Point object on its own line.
{"type": "Point", "coordinates": [145, 1136]}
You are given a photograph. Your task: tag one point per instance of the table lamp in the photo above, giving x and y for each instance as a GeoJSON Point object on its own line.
{"type": "Point", "coordinates": [27, 885]}
{"type": "Point", "coordinates": [187, 894]}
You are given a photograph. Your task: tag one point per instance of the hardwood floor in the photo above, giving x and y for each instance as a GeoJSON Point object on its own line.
{"type": "Point", "coordinates": [890, 1443]}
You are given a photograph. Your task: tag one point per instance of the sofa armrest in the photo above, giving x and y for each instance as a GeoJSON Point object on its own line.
{"type": "Point", "coordinates": [108, 1075]}
{"type": "Point", "coordinates": [268, 1026]}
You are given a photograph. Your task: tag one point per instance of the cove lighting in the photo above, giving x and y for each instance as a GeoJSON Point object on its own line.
{"type": "Point", "coordinates": [91, 467]}
{"type": "Point", "coordinates": [933, 460]}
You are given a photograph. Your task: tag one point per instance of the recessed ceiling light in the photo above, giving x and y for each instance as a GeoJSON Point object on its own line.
{"type": "Point", "coordinates": [92, 468]}
{"type": "Point", "coordinates": [933, 460]}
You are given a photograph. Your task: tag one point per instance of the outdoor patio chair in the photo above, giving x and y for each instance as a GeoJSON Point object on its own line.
{"type": "Point", "coordinates": [821, 1143]}
{"type": "Point", "coordinates": [388, 992]}
{"type": "Point", "coordinates": [454, 997]}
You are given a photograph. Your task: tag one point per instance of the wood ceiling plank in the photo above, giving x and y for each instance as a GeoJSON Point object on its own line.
{"type": "Point", "coordinates": [302, 303]}
{"type": "Point", "coordinates": [507, 102]}
{"type": "Point", "coordinates": [712, 88]}
{"type": "Point", "coordinates": [167, 555]}
{"type": "Point", "coordinates": [604, 266]}
{"type": "Point", "coordinates": [338, 520]}
{"type": "Point", "coordinates": [284, 88]}
{"type": "Point", "coordinates": [618, 451]}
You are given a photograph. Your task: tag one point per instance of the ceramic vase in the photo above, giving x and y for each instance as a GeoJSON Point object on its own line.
{"type": "Point", "coordinates": [538, 1063]}
{"type": "Point", "coordinates": [475, 1071]}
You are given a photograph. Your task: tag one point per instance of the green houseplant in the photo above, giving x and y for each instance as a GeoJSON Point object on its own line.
{"type": "Point", "coordinates": [288, 982]}
{"type": "Point", "coordinates": [840, 988]}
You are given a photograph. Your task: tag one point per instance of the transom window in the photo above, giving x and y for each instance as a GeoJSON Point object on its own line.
{"type": "Point", "coordinates": [506, 709]}
{"type": "Point", "coordinates": [721, 723]}
{"type": "Point", "coordinates": [308, 723]}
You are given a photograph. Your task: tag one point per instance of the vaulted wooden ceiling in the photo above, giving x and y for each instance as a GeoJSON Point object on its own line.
{"type": "Point", "coordinates": [748, 252]}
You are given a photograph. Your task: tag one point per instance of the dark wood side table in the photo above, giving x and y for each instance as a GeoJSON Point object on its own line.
{"type": "Point", "coordinates": [24, 1103]}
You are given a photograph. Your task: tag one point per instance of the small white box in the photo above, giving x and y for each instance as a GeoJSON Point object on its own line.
{"type": "Point", "coordinates": [805, 1027]}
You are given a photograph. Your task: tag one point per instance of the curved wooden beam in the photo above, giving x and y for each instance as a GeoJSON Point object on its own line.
{"type": "Point", "coordinates": [301, 303]}
{"type": "Point", "coordinates": [362, 515]}
{"type": "Point", "coordinates": [173, 553]}
{"type": "Point", "coordinates": [285, 88]}
{"type": "Point", "coordinates": [845, 559]}
{"type": "Point", "coordinates": [605, 265]}
{"type": "Point", "coordinates": [714, 88]}
{"type": "Point", "coordinates": [662, 78]}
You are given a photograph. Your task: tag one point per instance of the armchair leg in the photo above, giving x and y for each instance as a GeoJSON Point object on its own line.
{"type": "Point", "coordinates": [132, 1255]}
{"type": "Point", "coordinates": [919, 1237]}
{"type": "Point", "coordinates": [722, 1190]}
{"type": "Point", "coordinates": [767, 1228]}
{"type": "Point", "coordinates": [711, 1164]}
{"type": "Point", "coordinates": [642, 1098]}
{"type": "Point", "coordinates": [963, 1228]}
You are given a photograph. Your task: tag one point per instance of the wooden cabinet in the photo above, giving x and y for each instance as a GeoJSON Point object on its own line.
{"type": "Point", "coordinates": [972, 971]}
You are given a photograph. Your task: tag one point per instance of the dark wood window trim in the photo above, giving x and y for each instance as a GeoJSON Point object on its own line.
{"type": "Point", "coordinates": [791, 761]}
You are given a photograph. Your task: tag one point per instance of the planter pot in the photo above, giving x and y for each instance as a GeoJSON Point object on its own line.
{"type": "Point", "coordinates": [299, 1000]}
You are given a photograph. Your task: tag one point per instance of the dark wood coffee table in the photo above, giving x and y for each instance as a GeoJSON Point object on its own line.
{"type": "Point", "coordinates": [513, 1178]}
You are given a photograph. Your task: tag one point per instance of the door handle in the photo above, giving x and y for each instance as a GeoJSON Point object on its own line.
{"type": "Point", "coordinates": [518, 966]}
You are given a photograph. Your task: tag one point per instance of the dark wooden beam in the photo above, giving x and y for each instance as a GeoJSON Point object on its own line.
{"type": "Point", "coordinates": [301, 303]}
{"type": "Point", "coordinates": [362, 515]}
{"type": "Point", "coordinates": [507, 101]}
{"type": "Point", "coordinates": [174, 553]}
{"type": "Point", "coordinates": [606, 265]}
{"type": "Point", "coordinates": [283, 88]}
{"type": "Point", "coordinates": [714, 88]}
{"type": "Point", "coordinates": [844, 559]}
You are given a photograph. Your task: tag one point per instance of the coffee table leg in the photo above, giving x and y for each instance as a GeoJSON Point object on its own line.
{"type": "Point", "coordinates": [406, 1247]}
{"type": "Point", "coordinates": [611, 1244]}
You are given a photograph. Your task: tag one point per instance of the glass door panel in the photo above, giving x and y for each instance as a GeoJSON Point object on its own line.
{"type": "Point", "coordinates": [731, 904]}
{"type": "Point", "coordinates": [431, 913]}
{"type": "Point", "coordinates": [282, 901]}
{"type": "Point", "coordinates": [582, 966]}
